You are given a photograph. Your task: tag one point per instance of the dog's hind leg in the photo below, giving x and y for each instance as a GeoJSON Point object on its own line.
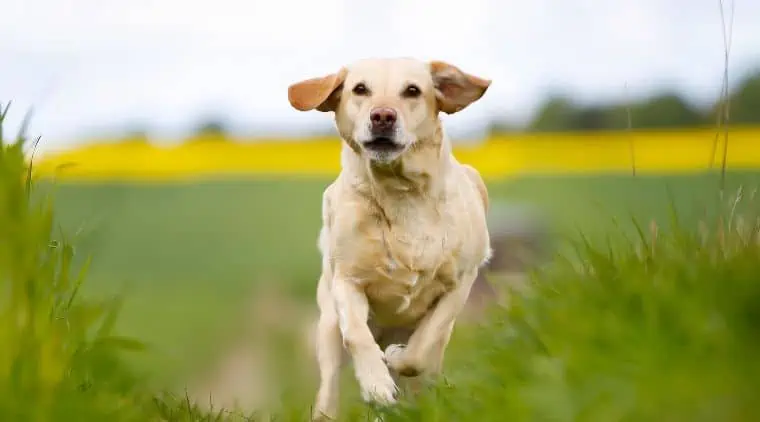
{"type": "Point", "coordinates": [329, 347]}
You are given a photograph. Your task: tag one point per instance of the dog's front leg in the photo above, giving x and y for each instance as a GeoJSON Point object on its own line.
{"type": "Point", "coordinates": [426, 347]}
{"type": "Point", "coordinates": [373, 375]}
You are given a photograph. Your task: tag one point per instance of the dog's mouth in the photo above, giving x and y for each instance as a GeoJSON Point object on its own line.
{"type": "Point", "coordinates": [382, 144]}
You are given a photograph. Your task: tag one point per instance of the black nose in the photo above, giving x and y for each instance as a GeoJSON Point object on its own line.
{"type": "Point", "coordinates": [382, 118]}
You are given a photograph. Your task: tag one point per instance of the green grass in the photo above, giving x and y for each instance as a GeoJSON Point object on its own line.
{"type": "Point", "coordinates": [190, 254]}
{"type": "Point", "coordinates": [635, 325]}
{"type": "Point", "coordinates": [667, 331]}
{"type": "Point", "coordinates": [59, 357]}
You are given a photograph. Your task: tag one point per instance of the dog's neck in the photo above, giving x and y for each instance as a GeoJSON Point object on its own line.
{"type": "Point", "coordinates": [419, 171]}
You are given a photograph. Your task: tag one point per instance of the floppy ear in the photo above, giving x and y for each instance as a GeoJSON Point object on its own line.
{"type": "Point", "coordinates": [455, 89]}
{"type": "Point", "coordinates": [317, 93]}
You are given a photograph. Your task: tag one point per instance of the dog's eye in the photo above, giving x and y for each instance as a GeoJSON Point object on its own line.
{"type": "Point", "coordinates": [412, 91]}
{"type": "Point", "coordinates": [360, 89]}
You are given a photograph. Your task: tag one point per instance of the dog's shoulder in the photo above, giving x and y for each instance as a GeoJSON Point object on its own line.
{"type": "Point", "coordinates": [346, 209]}
{"type": "Point", "coordinates": [328, 199]}
{"type": "Point", "coordinates": [342, 195]}
{"type": "Point", "coordinates": [470, 223]}
{"type": "Point", "coordinates": [474, 176]}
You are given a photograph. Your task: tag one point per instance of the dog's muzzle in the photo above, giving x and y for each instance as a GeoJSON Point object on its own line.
{"type": "Point", "coordinates": [383, 130]}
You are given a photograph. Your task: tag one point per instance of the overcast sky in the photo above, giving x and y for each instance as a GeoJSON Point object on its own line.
{"type": "Point", "coordinates": [89, 66]}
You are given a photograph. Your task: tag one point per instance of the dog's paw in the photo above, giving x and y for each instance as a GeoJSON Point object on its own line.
{"type": "Point", "coordinates": [381, 391]}
{"type": "Point", "coordinates": [319, 416]}
{"type": "Point", "coordinates": [395, 356]}
{"type": "Point", "coordinates": [376, 383]}
{"type": "Point", "coordinates": [325, 408]}
{"type": "Point", "coordinates": [394, 351]}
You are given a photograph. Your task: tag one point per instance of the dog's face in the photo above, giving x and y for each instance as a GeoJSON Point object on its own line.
{"type": "Point", "coordinates": [386, 106]}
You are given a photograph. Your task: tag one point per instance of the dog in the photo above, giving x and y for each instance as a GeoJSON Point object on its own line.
{"type": "Point", "coordinates": [404, 229]}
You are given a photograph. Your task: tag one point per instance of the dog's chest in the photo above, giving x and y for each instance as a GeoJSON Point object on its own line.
{"type": "Point", "coordinates": [415, 263]}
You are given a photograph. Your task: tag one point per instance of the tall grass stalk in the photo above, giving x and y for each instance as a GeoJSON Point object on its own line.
{"type": "Point", "coordinates": [59, 359]}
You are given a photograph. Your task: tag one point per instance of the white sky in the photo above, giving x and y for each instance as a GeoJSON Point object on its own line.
{"type": "Point", "coordinates": [88, 66]}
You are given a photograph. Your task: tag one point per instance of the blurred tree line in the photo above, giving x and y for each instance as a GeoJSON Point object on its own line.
{"type": "Point", "coordinates": [665, 110]}
{"type": "Point", "coordinates": [562, 114]}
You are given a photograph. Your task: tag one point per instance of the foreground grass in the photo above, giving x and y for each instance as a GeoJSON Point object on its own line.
{"type": "Point", "coordinates": [59, 359]}
{"type": "Point", "coordinates": [663, 330]}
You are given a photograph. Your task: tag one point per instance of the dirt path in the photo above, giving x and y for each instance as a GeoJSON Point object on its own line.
{"type": "Point", "coordinates": [249, 373]}
{"type": "Point", "coordinates": [246, 374]}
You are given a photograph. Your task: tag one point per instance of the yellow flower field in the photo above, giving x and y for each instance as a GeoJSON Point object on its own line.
{"type": "Point", "coordinates": [496, 157]}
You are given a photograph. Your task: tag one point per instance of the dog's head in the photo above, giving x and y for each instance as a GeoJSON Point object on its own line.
{"type": "Point", "coordinates": [383, 107]}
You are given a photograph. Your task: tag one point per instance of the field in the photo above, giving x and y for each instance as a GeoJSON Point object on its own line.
{"type": "Point", "coordinates": [190, 252]}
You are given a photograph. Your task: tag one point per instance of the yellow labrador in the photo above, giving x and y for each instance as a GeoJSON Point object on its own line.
{"type": "Point", "coordinates": [403, 225]}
